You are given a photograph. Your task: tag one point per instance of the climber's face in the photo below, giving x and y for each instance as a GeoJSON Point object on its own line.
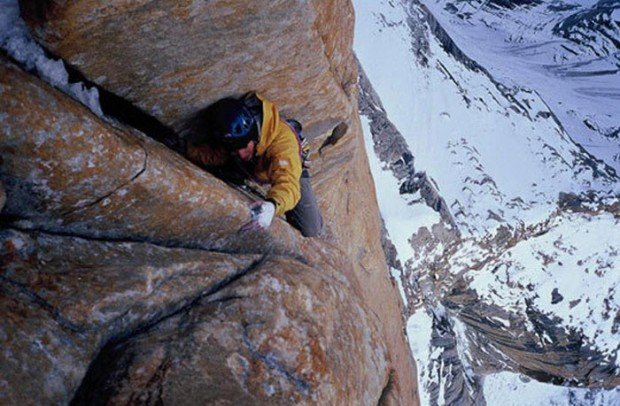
{"type": "Point", "coordinates": [246, 153]}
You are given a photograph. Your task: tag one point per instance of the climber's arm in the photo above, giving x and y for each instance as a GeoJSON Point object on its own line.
{"type": "Point", "coordinates": [206, 155]}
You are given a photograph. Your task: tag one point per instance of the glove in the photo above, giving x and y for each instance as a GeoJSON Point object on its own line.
{"type": "Point", "coordinates": [261, 215]}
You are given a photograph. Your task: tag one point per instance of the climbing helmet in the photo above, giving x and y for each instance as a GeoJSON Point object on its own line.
{"type": "Point", "coordinates": [233, 124]}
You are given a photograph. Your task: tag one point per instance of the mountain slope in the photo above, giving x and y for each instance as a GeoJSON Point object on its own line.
{"type": "Point", "coordinates": [566, 51]}
{"type": "Point", "coordinates": [505, 267]}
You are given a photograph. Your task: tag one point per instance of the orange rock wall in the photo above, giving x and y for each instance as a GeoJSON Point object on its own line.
{"type": "Point", "coordinates": [172, 58]}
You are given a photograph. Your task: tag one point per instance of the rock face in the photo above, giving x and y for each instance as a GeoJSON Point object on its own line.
{"type": "Point", "coordinates": [178, 325]}
{"type": "Point", "coordinates": [67, 171]}
{"type": "Point", "coordinates": [263, 340]}
{"type": "Point", "coordinates": [158, 53]}
{"type": "Point", "coordinates": [124, 277]}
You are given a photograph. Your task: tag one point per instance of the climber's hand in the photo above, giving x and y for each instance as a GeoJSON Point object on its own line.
{"type": "Point", "coordinates": [261, 215]}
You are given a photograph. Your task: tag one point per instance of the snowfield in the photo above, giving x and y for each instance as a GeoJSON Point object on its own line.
{"type": "Point", "coordinates": [578, 76]}
{"type": "Point", "coordinates": [577, 255]}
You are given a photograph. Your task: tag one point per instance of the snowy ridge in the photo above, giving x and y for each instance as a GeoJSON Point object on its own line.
{"type": "Point", "coordinates": [596, 27]}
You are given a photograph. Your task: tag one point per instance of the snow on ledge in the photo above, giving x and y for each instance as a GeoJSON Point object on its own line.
{"type": "Point", "coordinates": [16, 41]}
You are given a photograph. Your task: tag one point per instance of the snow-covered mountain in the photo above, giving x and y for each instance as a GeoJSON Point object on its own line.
{"type": "Point", "coordinates": [569, 52]}
{"type": "Point", "coordinates": [491, 130]}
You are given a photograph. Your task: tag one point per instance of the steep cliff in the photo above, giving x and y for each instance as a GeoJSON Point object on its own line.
{"type": "Point", "coordinates": [124, 278]}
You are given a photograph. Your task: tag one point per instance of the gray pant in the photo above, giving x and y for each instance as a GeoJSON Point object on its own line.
{"type": "Point", "coordinates": [306, 216]}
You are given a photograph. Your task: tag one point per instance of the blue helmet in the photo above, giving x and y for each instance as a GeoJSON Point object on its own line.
{"type": "Point", "coordinates": [232, 124]}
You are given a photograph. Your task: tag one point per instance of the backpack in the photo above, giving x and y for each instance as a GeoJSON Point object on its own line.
{"type": "Point", "coordinates": [304, 146]}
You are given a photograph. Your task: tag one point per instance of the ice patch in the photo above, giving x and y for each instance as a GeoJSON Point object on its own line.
{"type": "Point", "coordinates": [15, 39]}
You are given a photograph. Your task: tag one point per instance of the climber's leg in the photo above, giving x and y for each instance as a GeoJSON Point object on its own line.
{"type": "Point", "coordinates": [306, 216]}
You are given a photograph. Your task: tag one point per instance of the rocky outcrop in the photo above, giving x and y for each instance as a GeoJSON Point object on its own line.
{"type": "Point", "coordinates": [67, 171]}
{"type": "Point", "coordinates": [523, 336]}
{"type": "Point", "coordinates": [178, 325]}
{"type": "Point", "coordinates": [595, 27]}
{"type": "Point", "coordinates": [207, 314]}
{"type": "Point", "coordinates": [65, 296]}
{"type": "Point", "coordinates": [283, 334]}
{"type": "Point", "coordinates": [563, 358]}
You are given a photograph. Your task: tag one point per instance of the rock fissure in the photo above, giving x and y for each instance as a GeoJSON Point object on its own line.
{"type": "Point", "coordinates": [117, 107]}
{"type": "Point", "coordinates": [273, 363]}
{"type": "Point", "coordinates": [183, 306]}
{"type": "Point", "coordinates": [113, 106]}
{"type": "Point", "coordinates": [271, 249]}
{"type": "Point", "coordinates": [225, 299]}
{"type": "Point", "coordinates": [19, 225]}
{"type": "Point", "coordinates": [113, 191]}
{"type": "Point", "coordinates": [46, 306]}
{"type": "Point", "coordinates": [186, 305]}
{"type": "Point", "coordinates": [155, 397]}
{"type": "Point", "coordinates": [387, 389]}
{"type": "Point", "coordinates": [336, 77]}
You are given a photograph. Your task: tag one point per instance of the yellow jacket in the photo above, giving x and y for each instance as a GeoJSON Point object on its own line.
{"type": "Point", "coordinates": [276, 158]}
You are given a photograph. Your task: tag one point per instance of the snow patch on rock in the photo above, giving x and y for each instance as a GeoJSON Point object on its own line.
{"type": "Point", "coordinates": [16, 41]}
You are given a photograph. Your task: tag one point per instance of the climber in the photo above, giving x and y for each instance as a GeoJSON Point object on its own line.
{"type": "Point", "coordinates": [248, 137]}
